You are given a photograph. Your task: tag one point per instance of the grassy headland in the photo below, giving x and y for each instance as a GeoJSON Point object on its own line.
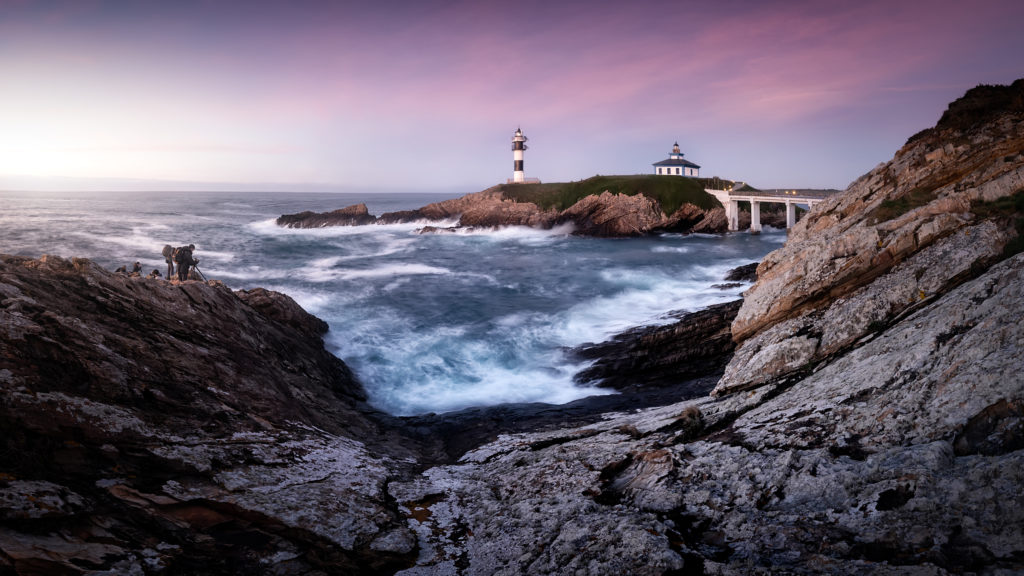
{"type": "Point", "coordinates": [670, 192]}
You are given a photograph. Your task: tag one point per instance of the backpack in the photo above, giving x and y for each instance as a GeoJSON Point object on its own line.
{"type": "Point", "coordinates": [168, 251]}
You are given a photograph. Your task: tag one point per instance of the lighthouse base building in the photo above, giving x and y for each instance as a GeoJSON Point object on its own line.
{"type": "Point", "coordinates": [676, 165]}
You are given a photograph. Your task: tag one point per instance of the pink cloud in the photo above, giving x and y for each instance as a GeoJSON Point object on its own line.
{"type": "Point", "coordinates": [330, 76]}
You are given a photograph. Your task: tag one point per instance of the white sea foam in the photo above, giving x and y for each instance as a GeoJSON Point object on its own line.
{"type": "Point", "coordinates": [670, 249]}
{"type": "Point", "coordinates": [328, 262]}
{"type": "Point", "coordinates": [407, 269]}
{"type": "Point", "coordinates": [314, 302]}
{"type": "Point", "coordinates": [646, 298]}
{"type": "Point", "coordinates": [138, 239]}
{"type": "Point", "coordinates": [775, 235]}
{"type": "Point", "coordinates": [269, 227]}
{"type": "Point", "coordinates": [476, 276]}
{"type": "Point", "coordinates": [445, 369]}
{"type": "Point", "coordinates": [324, 270]}
{"type": "Point", "coordinates": [251, 272]}
{"type": "Point", "coordinates": [388, 245]}
{"type": "Point", "coordinates": [206, 255]}
{"type": "Point", "coordinates": [519, 360]}
{"type": "Point", "coordinates": [396, 284]}
{"type": "Point", "coordinates": [494, 386]}
{"type": "Point", "coordinates": [520, 234]}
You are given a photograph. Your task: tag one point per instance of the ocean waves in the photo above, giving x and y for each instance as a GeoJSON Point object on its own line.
{"type": "Point", "coordinates": [644, 298]}
{"type": "Point", "coordinates": [447, 367]}
{"type": "Point", "coordinates": [429, 322]}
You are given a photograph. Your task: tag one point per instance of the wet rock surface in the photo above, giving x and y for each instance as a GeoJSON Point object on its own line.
{"type": "Point", "coordinates": [745, 273]}
{"type": "Point", "coordinates": [699, 344]}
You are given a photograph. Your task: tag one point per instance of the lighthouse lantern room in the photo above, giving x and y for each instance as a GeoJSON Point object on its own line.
{"type": "Point", "coordinates": [518, 147]}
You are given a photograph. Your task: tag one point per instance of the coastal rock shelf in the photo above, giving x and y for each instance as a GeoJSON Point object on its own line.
{"type": "Point", "coordinates": [150, 424]}
{"type": "Point", "coordinates": [868, 422]}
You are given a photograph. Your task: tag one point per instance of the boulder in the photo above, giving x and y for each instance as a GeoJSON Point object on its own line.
{"type": "Point", "coordinates": [499, 213]}
{"type": "Point", "coordinates": [689, 218]}
{"type": "Point", "coordinates": [613, 215]}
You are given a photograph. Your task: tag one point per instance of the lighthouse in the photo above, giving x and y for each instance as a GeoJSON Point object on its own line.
{"type": "Point", "coordinates": [518, 147]}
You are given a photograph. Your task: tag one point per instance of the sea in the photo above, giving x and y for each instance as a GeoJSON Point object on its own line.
{"type": "Point", "coordinates": [428, 322]}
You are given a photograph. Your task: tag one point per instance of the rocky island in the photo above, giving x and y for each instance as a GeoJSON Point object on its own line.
{"type": "Point", "coordinates": [602, 206]}
{"type": "Point", "coordinates": [868, 419]}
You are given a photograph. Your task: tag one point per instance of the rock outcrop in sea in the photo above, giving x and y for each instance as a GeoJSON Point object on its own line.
{"type": "Point", "coordinates": [355, 215]}
{"type": "Point", "coordinates": [870, 420]}
{"type": "Point", "coordinates": [602, 215]}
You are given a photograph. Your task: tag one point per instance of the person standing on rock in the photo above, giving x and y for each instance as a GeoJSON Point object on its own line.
{"type": "Point", "coordinates": [168, 253]}
{"type": "Point", "coordinates": [183, 258]}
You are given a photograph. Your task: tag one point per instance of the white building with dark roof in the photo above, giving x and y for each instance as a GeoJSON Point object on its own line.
{"type": "Point", "coordinates": [676, 165]}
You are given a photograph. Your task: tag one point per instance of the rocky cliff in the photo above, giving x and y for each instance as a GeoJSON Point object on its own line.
{"type": "Point", "coordinates": [942, 211]}
{"type": "Point", "coordinates": [146, 426]}
{"type": "Point", "coordinates": [603, 215]}
{"type": "Point", "coordinates": [871, 420]}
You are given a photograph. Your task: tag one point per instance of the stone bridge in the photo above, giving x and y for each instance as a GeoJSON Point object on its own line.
{"type": "Point", "coordinates": [731, 199]}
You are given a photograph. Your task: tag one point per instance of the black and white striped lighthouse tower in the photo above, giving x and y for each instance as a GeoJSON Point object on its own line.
{"type": "Point", "coordinates": [518, 147]}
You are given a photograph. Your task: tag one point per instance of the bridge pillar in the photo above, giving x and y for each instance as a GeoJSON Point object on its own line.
{"type": "Point", "coordinates": [755, 217]}
{"type": "Point", "coordinates": [732, 214]}
{"type": "Point", "coordinates": [790, 214]}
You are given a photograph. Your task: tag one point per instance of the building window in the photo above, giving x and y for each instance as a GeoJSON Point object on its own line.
{"type": "Point", "coordinates": [677, 171]}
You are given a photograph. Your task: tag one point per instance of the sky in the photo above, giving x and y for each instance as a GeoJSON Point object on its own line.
{"type": "Point", "coordinates": [425, 95]}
